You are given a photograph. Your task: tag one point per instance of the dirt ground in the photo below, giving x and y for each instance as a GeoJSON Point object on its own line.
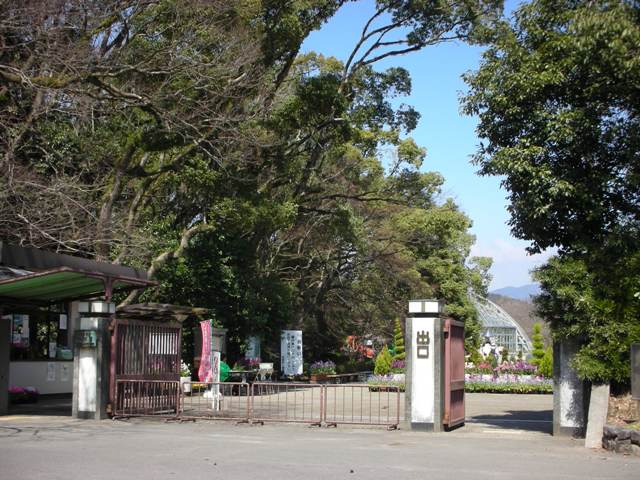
{"type": "Point", "coordinates": [624, 411]}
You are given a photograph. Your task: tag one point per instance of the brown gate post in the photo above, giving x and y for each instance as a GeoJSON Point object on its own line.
{"type": "Point", "coordinates": [454, 411]}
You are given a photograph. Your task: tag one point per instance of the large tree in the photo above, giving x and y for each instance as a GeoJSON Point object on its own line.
{"type": "Point", "coordinates": [191, 138]}
{"type": "Point", "coordinates": [558, 96]}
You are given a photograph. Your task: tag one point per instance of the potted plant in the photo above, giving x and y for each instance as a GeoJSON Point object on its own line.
{"type": "Point", "coordinates": [247, 364]}
{"type": "Point", "coordinates": [321, 370]}
{"type": "Point", "coordinates": [23, 395]}
{"type": "Point", "coordinates": [185, 377]}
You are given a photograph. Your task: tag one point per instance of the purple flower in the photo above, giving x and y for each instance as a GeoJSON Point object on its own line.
{"type": "Point", "coordinates": [398, 365]}
{"type": "Point", "coordinates": [323, 367]}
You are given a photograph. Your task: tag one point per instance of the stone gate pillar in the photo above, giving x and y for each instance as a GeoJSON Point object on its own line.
{"type": "Point", "coordinates": [570, 394]}
{"type": "Point", "coordinates": [424, 353]}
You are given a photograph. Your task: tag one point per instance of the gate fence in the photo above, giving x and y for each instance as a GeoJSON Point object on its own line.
{"type": "Point", "coordinates": [361, 405]}
{"type": "Point", "coordinates": [287, 402]}
{"type": "Point", "coordinates": [146, 398]}
{"type": "Point", "coordinates": [259, 402]}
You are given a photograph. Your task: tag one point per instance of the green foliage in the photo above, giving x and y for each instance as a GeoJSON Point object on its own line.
{"type": "Point", "coordinates": [398, 341]}
{"type": "Point", "coordinates": [557, 99]}
{"type": "Point", "coordinates": [383, 362]}
{"type": "Point", "coordinates": [538, 345]}
{"type": "Point", "coordinates": [493, 361]}
{"type": "Point", "coordinates": [504, 355]}
{"type": "Point", "coordinates": [475, 357]}
{"type": "Point", "coordinates": [602, 313]}
{"type": "Point", "coordinates": [557, 103]}
{"type": "Point", "coordinates": [193, 141]}
{"type": "Point", "coordinates": [545, 367]}
{"type": "Point", "coordinates": [507, 387]}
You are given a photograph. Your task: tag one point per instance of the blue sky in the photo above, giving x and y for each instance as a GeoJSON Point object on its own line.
{"type": "Point", "coordinates": [448, 136]}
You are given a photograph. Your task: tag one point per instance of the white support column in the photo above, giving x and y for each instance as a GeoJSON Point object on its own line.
{"type": "Point", "coordinates": [424, 355]}
{"type": "Point", "coordinates": [92, 351]}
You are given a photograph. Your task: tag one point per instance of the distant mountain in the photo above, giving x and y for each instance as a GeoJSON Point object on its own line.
{"type": "Point", "coordinates": [525, 292]}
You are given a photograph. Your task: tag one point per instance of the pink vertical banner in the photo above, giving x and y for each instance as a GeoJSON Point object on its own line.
{"type": "Point", "coordinates": [204, 371]}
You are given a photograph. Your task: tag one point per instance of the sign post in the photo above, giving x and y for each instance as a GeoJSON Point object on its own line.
{"type": "Point", "coordinates": [424, 376]}
{"type": "Point", "coordinates": [291, 352]}
{"type": "Point", "coordinates": [215, 370]}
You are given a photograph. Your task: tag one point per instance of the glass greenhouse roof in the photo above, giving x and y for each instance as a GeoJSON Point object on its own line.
{"type": "Point", "coordinates": [493, 318]}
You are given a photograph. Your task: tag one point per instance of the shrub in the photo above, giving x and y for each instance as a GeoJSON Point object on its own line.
{"type": "Point", "coordinates": [504, 355]}
{"type": "Point", "coordinates": [546, 364]}
{"type": "Point", "coordinates": [383, 362]}
{"type": "Point", "coordinates": [493, 360]}
{"type": "Point", "coordinates": [538, 344]}
{"type": "Point", "coordinates": [398, 341]}
{"type": "Point", "coordinates": [475, 357]}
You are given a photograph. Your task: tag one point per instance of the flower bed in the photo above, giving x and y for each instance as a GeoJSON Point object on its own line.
{"type": "Point", "coordinates": [322, 368]}
{"type": "Point", "coordinates": [510, 368]}
{"type": "Point", "coordinates": [381, 382]}
{"type": "Point", "coordinates": [507, 384]}
{"type": "Point", "coordinates": [398, 366]}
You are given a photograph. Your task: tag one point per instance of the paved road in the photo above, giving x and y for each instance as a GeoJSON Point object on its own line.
{"type": "Point", "coordinates": [532, 413]}
{"type": "Point", "coordinates": [61, 448]}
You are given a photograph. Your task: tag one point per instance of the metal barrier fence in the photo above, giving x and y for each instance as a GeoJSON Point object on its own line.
{"type": "Point", "coordinates": [143, 398]}
{"type": "Point", "coordinates": [216, 400]}
{"type": "Point", "coordinates": [287, 402]}
{"type": "Point", "coordinates": [331, 405]}
{"type": "Point", "coordinates": [361, 405]}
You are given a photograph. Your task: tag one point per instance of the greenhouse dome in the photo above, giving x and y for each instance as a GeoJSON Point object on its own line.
{"type": "Point", "coordinates": [500, 327]}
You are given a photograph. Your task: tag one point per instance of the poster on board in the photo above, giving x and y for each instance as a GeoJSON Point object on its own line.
{"type": "Point", "coordinates": [65, 372]}
{"type": "Point", "coordinates": [20, 330]}
{"type": "Point", "coordinates": [291, 352]}
{"type": "Point", "coordinates": [51, 372]}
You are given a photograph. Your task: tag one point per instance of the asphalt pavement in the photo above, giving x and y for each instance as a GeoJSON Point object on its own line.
{"type": "Point", "coordinates": [53, 448]}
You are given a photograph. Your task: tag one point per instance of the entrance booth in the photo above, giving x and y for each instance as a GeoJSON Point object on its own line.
{"type": "Point", "coordinates": [145, 359]}
{"type": "Point", "coordinates": [54, 325]}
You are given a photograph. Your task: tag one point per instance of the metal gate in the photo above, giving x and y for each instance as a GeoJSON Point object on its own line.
{"type": "Point", "coordinates": [453, 373]}
{"type": "Point", "coordinates": [145, 368]}
{"type": "Point", "coordinates": [313, 404]}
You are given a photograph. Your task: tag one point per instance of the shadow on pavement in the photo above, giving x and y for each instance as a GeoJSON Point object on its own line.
{"type": "Point", "coordinates": [528, 420]}
{"type": "Point", "coordinates": [53, 405]}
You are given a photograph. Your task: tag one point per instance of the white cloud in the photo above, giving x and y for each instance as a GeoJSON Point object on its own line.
{"type": "Point", "coordinates": [511, 262]}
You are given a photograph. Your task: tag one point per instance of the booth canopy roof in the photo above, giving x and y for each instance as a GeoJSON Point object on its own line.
{"type": "Point", "coordinates": [64, 284]}
{"type": "Point", "coordinates": [159, 312]}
